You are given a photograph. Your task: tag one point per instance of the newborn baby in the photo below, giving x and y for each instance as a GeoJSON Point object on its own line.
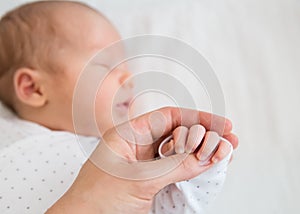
{"type": "Point", "coordinates": [43, 50]}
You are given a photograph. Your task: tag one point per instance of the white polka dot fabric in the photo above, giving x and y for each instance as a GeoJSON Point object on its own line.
{"type": "Point", "coordinates": [38, 165]}
{"type": "Point", "coordinates": [192, 196]}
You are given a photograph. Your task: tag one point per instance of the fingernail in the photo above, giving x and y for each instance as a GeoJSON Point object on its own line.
{"type": "Point", "coordinates": [188, 151]}
{"type": "Point", "coordinates": [204, 163]}
{"type": "Point", "coordinates": [215, 160]}
{"type": "Point", "coordinates": [180, 150]}
{"type": "Point", "coordinates": [203, 158]}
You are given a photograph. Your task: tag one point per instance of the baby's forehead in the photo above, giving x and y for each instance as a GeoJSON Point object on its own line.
{"type": "Point", "coordinates": [60, 15]}
{"type": "Point", "coordinates": [74, 10]}
{"type": "Point", "coordinates": [82, 23]}
{"type": "Point", "coordinates": [77, 16]}
{"type": "Point", "coordinates": [79, 32]}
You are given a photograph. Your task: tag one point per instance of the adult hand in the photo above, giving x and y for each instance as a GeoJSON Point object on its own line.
{"type": "Point", "coordinates": [115, 180]}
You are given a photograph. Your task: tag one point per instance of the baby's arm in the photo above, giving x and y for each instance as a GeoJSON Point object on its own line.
{"type": "Point", "coordinates": [194, 195]}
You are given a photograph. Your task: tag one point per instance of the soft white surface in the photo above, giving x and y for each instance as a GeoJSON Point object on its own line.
{"type": "Point", "coordinates": [254, 48]}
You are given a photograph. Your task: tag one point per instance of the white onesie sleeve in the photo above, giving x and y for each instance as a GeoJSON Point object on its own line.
{"type": "Point", "coordinates": [37, 165]}
{"type": "Point", "coordinates": [192, 196]}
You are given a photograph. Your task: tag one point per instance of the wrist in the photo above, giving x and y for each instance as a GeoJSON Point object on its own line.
{"type": "Point", "coordinates": [82, 197]}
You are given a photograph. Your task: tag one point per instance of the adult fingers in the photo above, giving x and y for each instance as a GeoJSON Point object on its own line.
{"type": "Point", "coordinates": [188, 167]}
{"type": "Point", "coordinates": [151, 126]}
{"type": "Point", "coordinates": [233, 139]}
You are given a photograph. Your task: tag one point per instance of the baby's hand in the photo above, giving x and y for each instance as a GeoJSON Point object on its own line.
{"type": "Point", "coordinates": [185, 140]}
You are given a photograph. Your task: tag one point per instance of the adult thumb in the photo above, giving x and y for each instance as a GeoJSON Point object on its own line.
{"type": "Point", "coordinates": [180, 167]}
{"type": "Point", "coordinates": [163, 171]}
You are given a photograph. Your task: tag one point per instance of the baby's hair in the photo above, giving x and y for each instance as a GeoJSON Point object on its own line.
{"type": "Point", "coordinates": [30, 36]}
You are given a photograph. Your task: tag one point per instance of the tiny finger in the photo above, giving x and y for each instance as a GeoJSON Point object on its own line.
{"type": "Point", "coordinates": [223, 150]}
{"type": "Point", "coordinates": [196, 134]}
{"type": "Point", "coordinates": [209, 145]}
{"type": "Point", "coordinates": [180, 135]}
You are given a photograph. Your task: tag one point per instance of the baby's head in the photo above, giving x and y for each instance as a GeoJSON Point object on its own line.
{"type": "Point", "coordinates": [44, 47]}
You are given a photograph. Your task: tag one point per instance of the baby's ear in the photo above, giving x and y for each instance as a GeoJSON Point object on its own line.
{"type": "Point", "coordinates": [28, 87]}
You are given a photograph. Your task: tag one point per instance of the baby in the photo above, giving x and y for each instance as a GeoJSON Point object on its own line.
{"type": "Point", "coordinates": [44, 47]}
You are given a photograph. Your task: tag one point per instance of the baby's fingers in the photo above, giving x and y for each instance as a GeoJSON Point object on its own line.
{"type": "Point", "coordinates": [180, 136]}
{"type": "Point", "coordinates": [223, 150]}
{"type": "Point", "coordinates": [208, 146]}
{"type": "Point", "coordinates": [175, 143]}
{"type": "Point", "coordinates": [196, 134]}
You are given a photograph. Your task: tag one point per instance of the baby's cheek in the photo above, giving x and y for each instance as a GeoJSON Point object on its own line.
{"type": "Point", "coordinates": [103, 108]}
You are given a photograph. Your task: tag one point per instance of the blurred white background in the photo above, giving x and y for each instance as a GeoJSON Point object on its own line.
{"type": "Point", "coordinates": [254, 48]}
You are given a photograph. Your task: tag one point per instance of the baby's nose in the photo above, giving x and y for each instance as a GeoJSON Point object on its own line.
{"type": "Point", "coordinates": [124, 79]}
